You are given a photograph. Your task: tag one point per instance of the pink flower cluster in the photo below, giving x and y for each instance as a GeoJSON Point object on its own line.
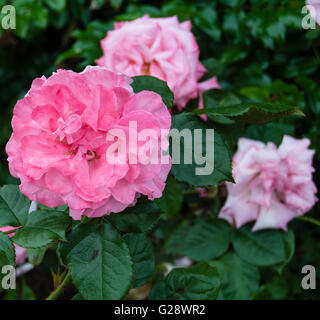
{"type": "Point", "coordinates": [21, 253]}
{"type": "Point", "coordinates": [59, 143]}
{"type": "Point", "coordinates": [273, 185]}
{"type": "Point", "coordinates": [160, 47]}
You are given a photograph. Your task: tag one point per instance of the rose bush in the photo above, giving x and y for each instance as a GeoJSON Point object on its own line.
{"type": "Point", "coordinates": [121, 230]}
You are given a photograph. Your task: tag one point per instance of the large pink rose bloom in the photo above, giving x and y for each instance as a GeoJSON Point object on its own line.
{"type": "Point", "coordinates": [59, 146]}
{"type": "Point", "coordinates": [21, 253]}
{"type": "Point", "coordinates": [273, 186]}
{"type": "Point", "coordinates": [160, 47]}
{"type": "Point", "coordinates": [315, 10]}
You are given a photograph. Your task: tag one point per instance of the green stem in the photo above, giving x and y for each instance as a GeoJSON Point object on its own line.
{"type": "Point", "coordinates": [58, 290]}
{"type": "Point", "coordinates": [311, 220]}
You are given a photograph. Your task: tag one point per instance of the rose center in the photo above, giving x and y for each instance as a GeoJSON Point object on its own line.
{"type": "Point", "coordinates": [146, 69]}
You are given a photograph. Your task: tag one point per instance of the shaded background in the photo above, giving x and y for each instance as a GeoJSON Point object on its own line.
{"type": "Point", "coordinates": [257, 49]}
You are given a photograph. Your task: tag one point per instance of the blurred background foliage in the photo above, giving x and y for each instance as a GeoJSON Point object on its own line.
{"type": "Point", "coordinates": [259, 52]}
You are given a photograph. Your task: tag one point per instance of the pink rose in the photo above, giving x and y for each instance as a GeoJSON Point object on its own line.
{"type": "Point", "coordinates": [60, 142]}
{"type": "Point", "coordinates": [273, 186]}
{"type": "Point", "coordinates": [160, 47]}
{"type": "Point", "coordinates": [21, 253]}
{"type": "Point", "coordinates": [315, 10]}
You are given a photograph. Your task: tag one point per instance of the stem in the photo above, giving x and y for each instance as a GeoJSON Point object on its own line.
{"type": "Point", "coordinates": [311, 220]}
{"type": "Point", "coordinates": [58, 291]}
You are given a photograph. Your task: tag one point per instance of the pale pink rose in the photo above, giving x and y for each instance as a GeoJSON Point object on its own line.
{"type": "Point", "coordinates": [160, 47]}
{"type": "Point", "coordinates": [59, 143]}
{"type": "Point", "coordinates": [21, 253]}
{"type": "Point", "coordinates": [273, 185]}
{"type": "Point", "coordinates": [314, 7]}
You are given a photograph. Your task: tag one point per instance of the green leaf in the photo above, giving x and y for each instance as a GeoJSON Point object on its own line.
{"type": "Point", "coordinates": [218, 98]}
{"type": "Point", "coordinates": [207, 20]}
{"type": "Point", "coordinates": [278, 287]}
{"type": "Point", "coordinates": [41, 228]}
{"type": "Point", "coordinates": [207, 240]}
{"type": "Point", "coordinates": [40, 16]}
{"type": "Point", "coordinates": [239, 279]}
{"type": "Point", "coordinates": [7, 252]}
{"type": "Point", "coordinates": [78, 9]}
{"type": "Point", "coordinates": [174, 244]}
{"type": "Point", "coordinates": [221, 162]}
{"type": "Point", "coordinates": [71, 53]}
{"type": "Point", "coordinates": [63, 208]}
{"type": "Point", "coordinates": [301, 66]}
{"type": "Point", "coordinates": [100, 259]}
{"type": "Point", "coordinates": [142, 256]}
{"type": "Point", "coordinates": [23, 292]}
{"type": "Point", "coordinates": [235, 3]}
{"type": "Point", "coordinates": [289, 246]}
{"type": "Point", "coordinates": [87, 45]}
{"type": "Point", "coordinates": [56, 5]}
{"type": "Point", "coordinates": [213, 66]}
{"type": "Point", "coordinates": [36, 255]}
{"type": "Point", "coordinates": [199, 282]}
{"type": "Point", "coordinates": [31, 16]}
{"type": "Point", "coordinates": [140, 218]}
{"type": "Point", "coordinates": [261, 294]}
{"type": "Point", "coordinates": [287, 94]}
{"type": "Point", "coordinates": [215, 98]}
{"type": "Point", "coordinates": [141, 83]}
{"type": "Point", "coordinates": [160, 291]}
{"type": "Point", "coordinates": [183, 9]}
{"type": "Point", "coordinates": [260, 248]}
{"type": "Point", "coordinates": [261, 93]}
{"type": "Point", "coordinates": [279, 92]}
{"type": "Point", "coordinates": [233, 53]}
{"type": "Point", "coordinates": [134, 11]}
{"type": "Point", "coordinates": [77, 296]}
{"type": "Point", "coordinates": [254, 112]}
{"type": "Point", "coordinates": [314, 136]}
{"type": "Point", "coordinates": [14, 207]}
{"type": "Point", "coordinates": [270, 132]}
{"type": "Point", "coordinates": [232, 21]}
{"type": "Point", "coordinates": [116, 4]}
{"type": "Point", "coordinates": [171, 200]}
